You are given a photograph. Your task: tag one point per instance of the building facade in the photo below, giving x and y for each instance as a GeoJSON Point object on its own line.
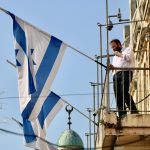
{"type": "Point", "coordinates": [133, 131]}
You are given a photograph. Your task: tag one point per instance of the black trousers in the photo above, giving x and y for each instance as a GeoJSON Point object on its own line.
{"type": "Point", "coordinates": [121, 82]}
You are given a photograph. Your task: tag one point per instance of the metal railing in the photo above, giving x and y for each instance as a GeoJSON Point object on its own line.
{"type": "Point", "coordinates": [131, 91]}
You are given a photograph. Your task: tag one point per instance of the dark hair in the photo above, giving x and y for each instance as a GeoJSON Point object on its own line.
{"type": "Point", "coordinates": [115, 41]}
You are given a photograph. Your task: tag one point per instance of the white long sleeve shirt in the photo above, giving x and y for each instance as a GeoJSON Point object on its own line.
{"type": "Point", "coordinates": [126, 61]}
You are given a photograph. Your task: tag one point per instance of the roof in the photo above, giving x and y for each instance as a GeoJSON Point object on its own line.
{"type": "Point", "coordinates": [70, 139]}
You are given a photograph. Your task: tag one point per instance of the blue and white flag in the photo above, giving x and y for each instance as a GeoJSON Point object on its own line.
{"type": "Point", "coordinates": [35, 131]}
{"type": "Point", "coordinates": [38, 57]}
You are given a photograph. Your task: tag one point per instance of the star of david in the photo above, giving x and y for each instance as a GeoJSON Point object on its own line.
{"type": "Point", "coordinates": [17, 60]}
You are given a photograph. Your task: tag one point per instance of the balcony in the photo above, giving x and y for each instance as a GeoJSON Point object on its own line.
{"type": "Point", "coordinates": [131, 131]}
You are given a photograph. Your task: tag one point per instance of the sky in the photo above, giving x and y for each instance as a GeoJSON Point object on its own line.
{"type": "Point", "coordinates": [75, 23]}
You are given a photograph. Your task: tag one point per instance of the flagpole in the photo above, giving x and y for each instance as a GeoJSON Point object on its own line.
{"type": "Point", "coordinates": [4, 10]}
{"type": "Point", "coordinates": [66, 102]}
{"type": "Point", "coordinates": [80, 112]}
{"type": "Point", "coordinates": [12, 64]}
{"type": "Point", "coordinates": [86, 56]}
{"type": "Point", "coordinates": [7, 12]}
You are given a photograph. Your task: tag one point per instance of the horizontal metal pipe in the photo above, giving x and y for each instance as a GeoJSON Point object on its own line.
{"type": "Point", "coordinates": [133, 68]}
{"type": "Point", "coordinates": [105, 56]}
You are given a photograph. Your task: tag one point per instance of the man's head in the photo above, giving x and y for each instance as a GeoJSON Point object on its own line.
{"type": "Point", "coordinates": [116, 45]}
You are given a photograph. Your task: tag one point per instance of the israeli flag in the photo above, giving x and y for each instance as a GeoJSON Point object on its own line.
{"type": "Point", "coordinates": [38, 57]}
{"type": "Point", "coordinates": [35, 131]}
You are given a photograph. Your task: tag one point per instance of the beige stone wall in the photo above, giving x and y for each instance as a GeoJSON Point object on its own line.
{"type": "Point", "coordinates": [139, 41]}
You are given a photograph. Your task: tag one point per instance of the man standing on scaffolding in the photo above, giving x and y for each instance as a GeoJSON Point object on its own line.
{"type": "Point", "coordinates": [124, 58]}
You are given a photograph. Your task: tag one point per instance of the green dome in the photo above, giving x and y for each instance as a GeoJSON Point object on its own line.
{"type": "Point", "coordinates": [70, 139]}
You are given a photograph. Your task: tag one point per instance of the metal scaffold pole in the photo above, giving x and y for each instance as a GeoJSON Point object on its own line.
{"type": "Point", "coordinates": [87, 140]}
{"type": "Point", "coordinates": [90, 130]}
{"type": "Point", "coordinates": [101, 61]}
{"type": "Point", "coordinates": [108, 60]}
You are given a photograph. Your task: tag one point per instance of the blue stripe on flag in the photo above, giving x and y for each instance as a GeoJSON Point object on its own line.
{"type": "Point", "coordinates": [28, 131]}
{"type": "Point", "coordinates": [48, 105]}
{"type": "Point", "coordinates": [43, 73]}
{"type": "Point", "coordinates": [17, 62]}
{"type": "Point", "coordinates": [19, 35]}
{"type": "Point", "coordinates": [31, 85]}
{"type": "Point", "coordinates": [48, 61]}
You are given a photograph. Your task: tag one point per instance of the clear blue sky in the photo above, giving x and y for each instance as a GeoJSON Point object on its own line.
{"type": "Point", "coordinates": [74, 22]}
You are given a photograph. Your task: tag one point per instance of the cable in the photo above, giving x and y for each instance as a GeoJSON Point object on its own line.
{"type": "Point", "coordinates": [77, 94]}
{"type": "Point", "coordinates": [74, 148]}
{"type": "Point", "coordinates": [76, 110]}
{"type": "Point", "coordinates": [84, 94]}
{"type": "Point", "coordinates": [87, 56]}
{"type": "Point", "coordinates": [81, 112]}
{"type": "Point", "coordinates": [42, 139]}
{"type": "Point", "coordinates": [143, 99]}
{"type": "Point", "coordinates": [72, 94]}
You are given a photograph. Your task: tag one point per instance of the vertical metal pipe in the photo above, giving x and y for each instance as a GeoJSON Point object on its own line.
{"type": "Point", "coordinates": [90, 128]}
{"type": "Point", "coordinates": [148, 48]}
{"type": "Point", "coordinates": [108, 60]}
{"type": "Point", "coordinates": [101, 69]}
{"type": "Point", "coordinates": [123, 92]}
{"type": "Point", "coordinates": [87, 140]}
{"type": "Point", "coordinates": [94, 134]}
{"type": "Point", "coordinates": [97, 69]}
{"type": "Point", "coordinates": [101, 54]}
{"type": "Point", "coordinates": [94, 115]}
{"type": "Point", "coordinates": [130, 79]}
{"type": "Point", "coordinates": [116, 94]}
{"type": "Point", "coordinates": [94, 108]}
{"type": "Point", "coordinates": [93, 96]}
{"type": "Point", "coordinates": [89, 110]}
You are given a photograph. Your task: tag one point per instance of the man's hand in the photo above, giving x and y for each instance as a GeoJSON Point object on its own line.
{"type": "Point", "coordinates": [111, 67]}
{"type": "Point", "coordinates": [117, 54]}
